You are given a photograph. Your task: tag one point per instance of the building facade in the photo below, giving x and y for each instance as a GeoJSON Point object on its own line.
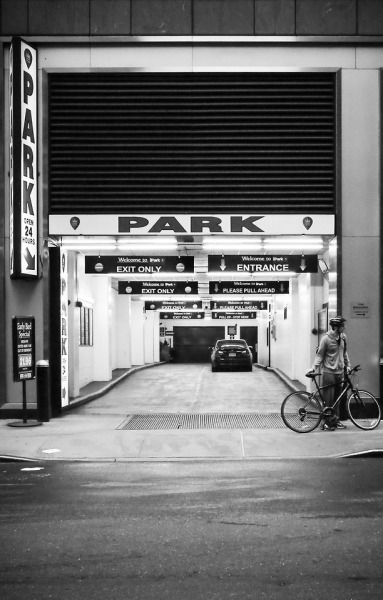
{"type": "Point", "coordinates": [137, 131]}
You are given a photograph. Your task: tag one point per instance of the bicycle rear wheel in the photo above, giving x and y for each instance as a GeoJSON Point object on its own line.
{"type": "Point", "coordinates": [301, 412]}
{"type": "Point", "coordinates": [364, 410]}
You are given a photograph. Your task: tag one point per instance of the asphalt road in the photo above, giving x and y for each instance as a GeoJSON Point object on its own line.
{"type": "Point", "coordinates": [277, 529]}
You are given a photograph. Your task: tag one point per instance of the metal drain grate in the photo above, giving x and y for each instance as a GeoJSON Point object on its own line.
{"type": "Point", "coordinates": [204, 421]}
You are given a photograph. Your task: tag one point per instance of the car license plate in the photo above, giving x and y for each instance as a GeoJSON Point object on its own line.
{"type": "Point", "coordinates": [232, 354]}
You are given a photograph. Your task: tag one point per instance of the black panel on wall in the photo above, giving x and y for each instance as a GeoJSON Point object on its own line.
{"type": "Point", "coordinates": [58, 18]}
{"type": "Point", "coordinates": [161, 17]}
{"type": "Point", "coordinates": [274, 17]}
{"type": "Point", "coordinates": [217, 142]}
{"type": "Point", "coordinates": [326, 17]}
{"type": "Point", "coordinates": [223, 17]}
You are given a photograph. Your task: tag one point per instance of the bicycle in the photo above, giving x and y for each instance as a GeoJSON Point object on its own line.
{"type": "Point", "coordinates": [303, 411]}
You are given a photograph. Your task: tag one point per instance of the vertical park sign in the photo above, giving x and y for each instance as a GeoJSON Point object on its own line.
{"type": "Point", "coordinates": [23, 160]}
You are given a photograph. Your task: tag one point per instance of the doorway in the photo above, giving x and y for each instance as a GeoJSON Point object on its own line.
{"type": "Point", "coordinates": [191, 344]}
{"type": "Point", "coordinates": [250, 334]}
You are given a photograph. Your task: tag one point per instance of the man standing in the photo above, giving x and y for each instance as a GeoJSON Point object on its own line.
{"type": "Point", "coordinates": [332, 356]}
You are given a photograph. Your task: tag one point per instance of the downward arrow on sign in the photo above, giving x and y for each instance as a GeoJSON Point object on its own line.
{"type": "Point", "coordinates": [29, 259]}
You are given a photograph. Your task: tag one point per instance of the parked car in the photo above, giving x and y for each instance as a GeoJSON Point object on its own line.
{"type": "Point", "coordinates": [231, 354]}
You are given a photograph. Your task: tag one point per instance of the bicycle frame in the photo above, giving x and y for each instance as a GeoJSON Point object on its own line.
{"type": "Point", "coordinates": [349, 386]}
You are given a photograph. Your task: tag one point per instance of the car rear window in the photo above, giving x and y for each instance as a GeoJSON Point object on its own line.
{"type": "Point", "coordinates": [231, 344]}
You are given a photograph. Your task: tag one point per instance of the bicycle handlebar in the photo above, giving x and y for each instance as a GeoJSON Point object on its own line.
{"type": "Point", "coordinates": [312, 374]}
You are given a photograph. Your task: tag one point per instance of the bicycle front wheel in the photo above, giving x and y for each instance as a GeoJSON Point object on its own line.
{"type": "Point", "coordinates": [364, 410]}
{"type": "Point", "coordinates": [301, 412]}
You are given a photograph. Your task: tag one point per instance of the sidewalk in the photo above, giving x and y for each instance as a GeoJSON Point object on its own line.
{"type": "Point", "coordinates": [93, 432]}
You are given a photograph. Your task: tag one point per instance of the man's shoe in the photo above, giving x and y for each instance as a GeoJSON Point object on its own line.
{"type": "Point", "coordinates": [328, 427]}
{"type": "Point", "coordinates": [340, 425]}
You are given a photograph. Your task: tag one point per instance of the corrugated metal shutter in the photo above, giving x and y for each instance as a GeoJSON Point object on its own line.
{"type": "Point", "coordinates": [192, 142]}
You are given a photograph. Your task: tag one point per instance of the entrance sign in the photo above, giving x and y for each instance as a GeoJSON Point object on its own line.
{"type": "Point", "coordinates": [250, 263]}
{"type": "Point", "coordinates": [173, 305]}
{"type": "Point", "coordinates": [264, 224]}
{"type": "Point", "coordinates": [137, 265]}
{"type": "Point", "coordinates": [23, 333]}
{"type": "Point", "coordinates": [238, 305]}
{"type": "Point", "coordinates": [234, 315]}
{"type": "Point", "coordinates": [23, 160]}
{"type": "Point", "coordinates": [182, 315]}
{"type": "Point", "coordinates": [158, 287]}
{"type": "Point", "coordinates": [248, 287]}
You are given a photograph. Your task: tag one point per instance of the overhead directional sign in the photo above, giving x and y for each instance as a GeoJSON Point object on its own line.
{"type": "Point", "coordinates": [158, 287]}
{"type": "Point", "coordinates": [136, 265]}
{"type": "Point", "coordinates": [248, 287]}
{"type": "Point", "coordinates": [259, 263]}
{"type": "Point", "coordinates": [173, 305]}
{"type": "Point", "coordinates": [182, 315]}
{"type": "Point", "coordinates": [239, 304]}
{"type": "Point", "coordinates": [234, 315]}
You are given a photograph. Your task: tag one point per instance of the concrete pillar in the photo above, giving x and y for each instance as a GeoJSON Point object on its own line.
{"type": "Point", "coordinates": [138, 333]}
{"type": "Point", "coordinates": [149, 336]}
{"type": "Point", "coordinates": [102, 334]}
{"type": "Point", "coordinates": [360, 243]}
{"type": "Point", "coordinates": [124, 333]}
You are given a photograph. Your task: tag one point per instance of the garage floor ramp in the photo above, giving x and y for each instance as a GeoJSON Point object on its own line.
{"type": "Point", "coordinates": [202, 421]}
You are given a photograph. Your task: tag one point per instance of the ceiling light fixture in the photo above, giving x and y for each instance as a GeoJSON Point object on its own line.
{"type": "Point", "coordinates": [148, 246]}
{"type": "Point", "coordinates": [289, 246]}
{"type": "Point", "coordinates": [95, 247]}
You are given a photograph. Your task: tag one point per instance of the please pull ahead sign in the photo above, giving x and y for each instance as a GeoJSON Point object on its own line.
{"type": "Point", "coordinates": [23, 160]}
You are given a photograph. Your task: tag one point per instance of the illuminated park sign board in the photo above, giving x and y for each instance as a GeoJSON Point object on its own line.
{"type": "Point", "coordinates": [248, 287]}
{"type": "Point", "coordinates": [234, 315]}
{"type": "Point", "coordinates": [182, 315]}
{"type": "Point", "coordinates": [173, 305]}
{"type": "Point", "coordinates": [23, 160]}
{"type": "Point", "coordinates": [233, 305]}
{"type": "Point", "coordinates": [261, 263]}
{"type": "Point", "coordinates": [139, 265]}
{"type": "Point", "coordinates": [158, 287]}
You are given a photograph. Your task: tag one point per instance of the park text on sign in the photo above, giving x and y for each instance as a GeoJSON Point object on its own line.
{"type": "Point", "coordinates": [23, 332]}
{"type": "Point", "coordinates": [248, 287]}
{"type": "Point", "coordinates": [139, 265]}
{"type": "Point", "coordinates": [23, 160]}
{"type": "Point", "coordinates": [269, 224]}
{"type": "Point", "coordinates": [259, 263]}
